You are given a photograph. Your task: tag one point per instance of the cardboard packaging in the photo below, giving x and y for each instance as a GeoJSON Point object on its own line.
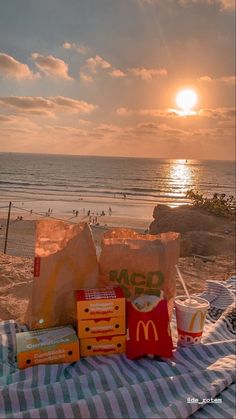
{"type": "Point", "coordinates": [101, 327]}
{"type": "Point", "coordinates": [102, 345]}
{"type": "Point", "coordinates": [47, 346]}
{"type": "Point", "coordinates": [100, 303]}
{"type": "Point", "coordinates": [101, 321]}
{"type": "Point", "coordinates": [148, 331]}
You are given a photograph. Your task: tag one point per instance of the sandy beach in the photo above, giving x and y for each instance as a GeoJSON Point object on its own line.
{"type": "Point", "coordinates": [16, 266]}
{"type": "Point", "coordinates": [21, 233]}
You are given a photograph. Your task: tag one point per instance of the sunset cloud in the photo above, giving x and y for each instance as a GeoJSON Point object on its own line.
{"type": "Point", "coordinates": [45, 106]}
{"type": "Point", "coordinates": [62, 130]}
{"type": "Point", "coordinates": [91, 67]}
{"type": "Point", "coordinates": [117, 73]}
{"type": "Point", "coordinates": [104, 131]}
{"type": "Point", "coordinates": [153, 118]}
{"type": "Point", "coordinates": [124, 111]}
{"type": "Point", "coordinates": [13, 69]}
{"type": "Point", "coordinates": [22, 121]}
{"type": "Point", "coordinates": [143, 112]}
{"type": "Point", "coordinates": [80, 48]}
{"type": "Point", "coordinates": [228, 4]}
{"type": "Point", "coordinates": [51, 66]}
{"type": "Point", "coordinates": [218, 113]}
{"type": "Point", "coordinates": [93, 63]}
{"type": "Point", "coordinates": [228, 79]}
{"type": "Point", "coordinates": [108, 77]}
{"type": "Point", "coordinates": [223, 4]}
{"type": "Point", "coordinates": [224, 79]}
{"type": "Point", "coordinates": [85, 77]}
{"type": "Point", "coordinates": [147, 74]}
{"type": "Point", "coordinates": [6, 119]}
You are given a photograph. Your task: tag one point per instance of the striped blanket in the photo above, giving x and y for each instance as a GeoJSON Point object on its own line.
{"type": "Point", "coordinates": [198, 382]}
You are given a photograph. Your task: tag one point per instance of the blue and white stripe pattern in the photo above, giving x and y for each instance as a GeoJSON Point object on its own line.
{"type": "Point", "coordinates": [198, 382]}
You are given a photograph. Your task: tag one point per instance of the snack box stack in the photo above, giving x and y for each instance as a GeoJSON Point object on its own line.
{"type": "Point", "coordinates": [101, 321]}
{"type": "Point", "coordinates": [47, 346]}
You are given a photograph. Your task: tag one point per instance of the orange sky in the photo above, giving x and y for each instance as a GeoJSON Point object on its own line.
{"type": "Point", "coordinates": [101, 78]}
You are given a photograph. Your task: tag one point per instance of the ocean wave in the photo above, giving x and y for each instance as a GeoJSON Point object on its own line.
{"type": "Point", "coordinates": [72, 178]}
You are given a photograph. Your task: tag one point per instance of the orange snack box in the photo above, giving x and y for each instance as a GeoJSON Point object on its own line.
{"type": "Point", "coordinates": [101, 327]}
{"type": "Point", "coordinates": [47, 346]}
{"type": "Point", "coordinates": [104, 345]}
{"type": "Point", "coordinates": [100, 303]}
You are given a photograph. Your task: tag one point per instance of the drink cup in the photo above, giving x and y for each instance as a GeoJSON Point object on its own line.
{"type": "Point", "coordinates": [190, 317]}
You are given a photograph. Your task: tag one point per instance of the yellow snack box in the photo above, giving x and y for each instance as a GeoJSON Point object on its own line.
{"type": "Point", "coordinates": [105, 345]}
{"type": "Point", "coordinates": [100, 303]}
{"type": "Point", "coordinates": [47, 346]}
{"type": "Point", "coordinates": [101, 327]}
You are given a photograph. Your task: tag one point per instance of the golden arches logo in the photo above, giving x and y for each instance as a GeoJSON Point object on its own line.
{"type": "Point", "coordinates": [202, 315]}
{"type": "Point", "coordinates": [146, 329]}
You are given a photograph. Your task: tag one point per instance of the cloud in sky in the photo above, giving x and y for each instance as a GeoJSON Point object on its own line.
{"type": "Point", "coordinates": [91, 66]}
{"type": "Point", "coordinates": [148, 74]}
{"type": "Point", "coordinates": [143, 112]}
{"type": "Point", "coordinates": [223, 4]}
{"type": "Point", "coordinates": [87, 78]}
{"type": "Point", "coordinates": [137, 60]}
{"type": "Point", "coordinates": [224, 79]}
{"type": "Point", "coordinates": [117, 73]}
{"type": "Point", "coordinates": [45, 106]}
{"type": "Point", "coordinates": [51, 66]}
{"type": "Point", "coordinates": [13, 69]}
{"type": "Point", "coordinates": [94, 63]}
{"type": "Point", "coordinates": [80, 48]}
{"type": "Point", "coordinates": [218, 113]}
{"type": "Point", "coordinates": [124, 111]}
{"type": "Point", "coordinates": [228, 4]}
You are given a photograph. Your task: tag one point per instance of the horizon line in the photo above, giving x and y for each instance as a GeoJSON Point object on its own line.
{"type": "Point", "coordinates": [118, 157]}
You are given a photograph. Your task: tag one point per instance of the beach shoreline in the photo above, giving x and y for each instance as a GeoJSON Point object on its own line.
{"type": "Point", "coordinates": [16, 266]}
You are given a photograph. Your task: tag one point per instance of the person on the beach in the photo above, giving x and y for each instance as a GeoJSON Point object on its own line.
{"type": "Point", "coordinates": [109, 210]}
{"type": "Point", "coordinates": [76, 213]}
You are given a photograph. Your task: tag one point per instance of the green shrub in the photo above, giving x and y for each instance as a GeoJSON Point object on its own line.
{"type": "Point", "coordinates": [219, 204]}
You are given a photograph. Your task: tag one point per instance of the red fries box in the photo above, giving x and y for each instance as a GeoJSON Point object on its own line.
{"type": "Point", "coordinates": [148, 331]}
{"type": "Point", "coordinates": [101, 321]}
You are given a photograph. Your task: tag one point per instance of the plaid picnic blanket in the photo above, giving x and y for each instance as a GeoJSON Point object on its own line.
{"type": "Point", "coordinates": [198, 382]}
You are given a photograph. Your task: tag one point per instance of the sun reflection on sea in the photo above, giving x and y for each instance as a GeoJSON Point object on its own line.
{"type": "Point", "coordinates": [181, 174]}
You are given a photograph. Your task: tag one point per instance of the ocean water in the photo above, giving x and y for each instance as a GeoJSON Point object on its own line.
{"type": "Point", "coordinates": [132, 186]}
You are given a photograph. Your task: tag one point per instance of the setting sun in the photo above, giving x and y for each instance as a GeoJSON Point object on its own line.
{"type": "Point", "coordinates": [186, 99]}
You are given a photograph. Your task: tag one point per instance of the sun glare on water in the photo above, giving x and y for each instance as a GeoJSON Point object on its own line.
{"type": "Point", "coordinates": [186, 99]}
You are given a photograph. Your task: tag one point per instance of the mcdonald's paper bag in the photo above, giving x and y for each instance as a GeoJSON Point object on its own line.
{"type": "Point", "coordinates": [139, 263]}
{"type": "Point", "coordinates": [65, 260]}
{"type": "Point", "coordinates": [148, 332]}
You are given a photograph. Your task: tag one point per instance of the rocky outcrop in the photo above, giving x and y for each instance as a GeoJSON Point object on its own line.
{"type": "Point", "coordinates": [201, 232]}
